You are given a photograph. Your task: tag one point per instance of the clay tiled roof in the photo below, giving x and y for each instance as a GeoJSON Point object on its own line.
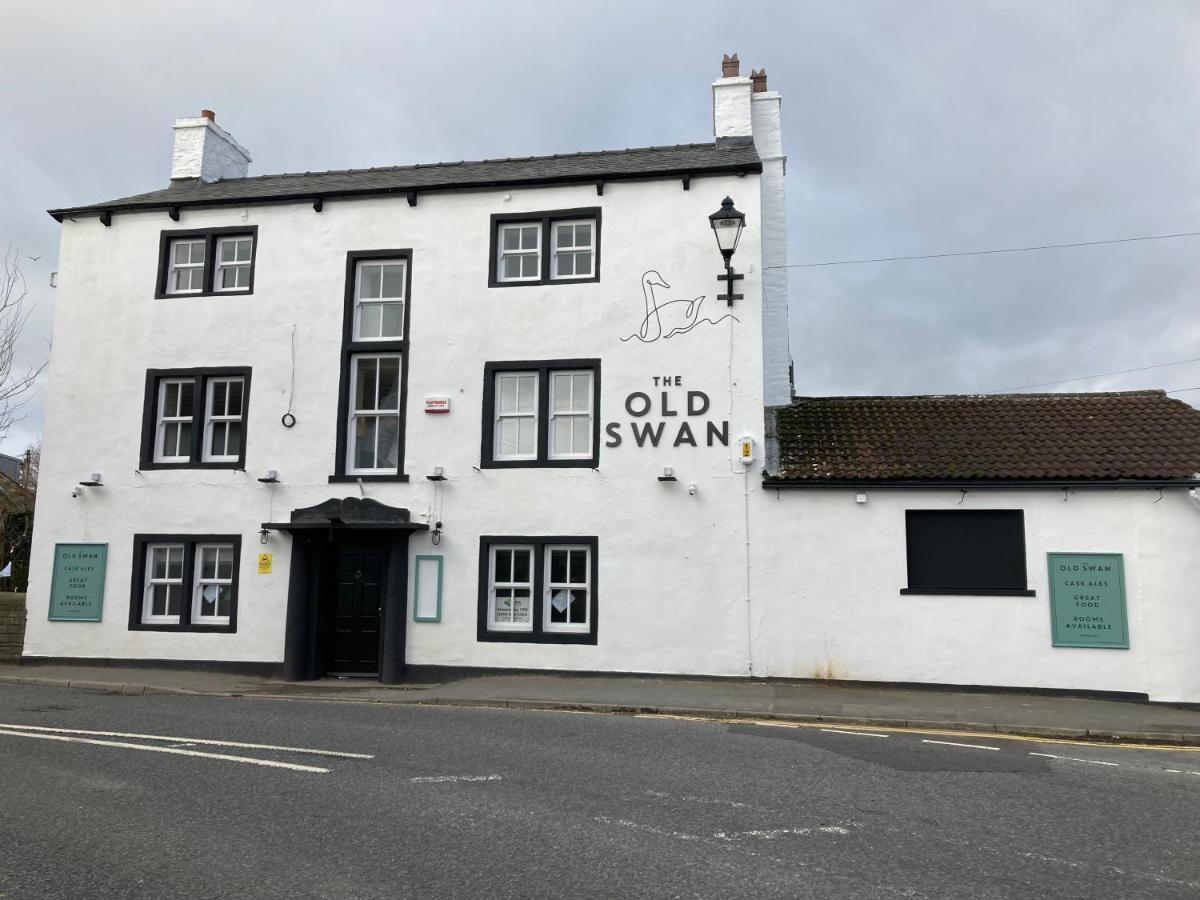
{"type": "Point", "coordinates": [1135, 436]}
{"type": "Point", "coordinates": [730, 156]}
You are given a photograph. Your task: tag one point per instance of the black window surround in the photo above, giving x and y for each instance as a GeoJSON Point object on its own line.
{"type": "Point", "coordinates": [189, 542]}
{"type": "Point", "coordinates": [966, 552]}
{"type": "Point", "coordinates": [538, 635]}
{"type": "Point", "coordinates": [200, 377]}
{"type": "Point", "coordinates": [543, 368]}
{"type": "Point", "coordinates": [211, 236]}
{"type": "Point", "coordinates": [352, 347]}
{"type": "Point", "coordinates": [546, 219]}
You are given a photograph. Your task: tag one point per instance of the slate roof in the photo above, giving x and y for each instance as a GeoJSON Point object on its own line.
{"type": "Point", "coordinates": [726, 157]}
{"type": "Point", "coordinates": [1104, 437]}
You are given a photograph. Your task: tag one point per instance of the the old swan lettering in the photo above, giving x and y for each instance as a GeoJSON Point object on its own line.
{"type": "Point", "coordinates": [639, 405]}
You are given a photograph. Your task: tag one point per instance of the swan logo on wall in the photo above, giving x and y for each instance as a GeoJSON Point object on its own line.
{"type": "Point", "coordinates": [666, 319]}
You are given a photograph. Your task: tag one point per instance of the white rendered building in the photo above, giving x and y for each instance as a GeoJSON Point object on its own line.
{"type": "Point", "coordinates": [500, 414]}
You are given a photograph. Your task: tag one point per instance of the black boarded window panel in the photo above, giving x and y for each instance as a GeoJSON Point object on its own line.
{"type": "Point", "coordinates": [966, 551]}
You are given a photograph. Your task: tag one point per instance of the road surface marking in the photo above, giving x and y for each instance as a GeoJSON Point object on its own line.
{"type": "Point", "coordinates": [439, 779]}
{"type": "Point", "coordinates": [187, 740]}
{"type": "Point", "coordinates": [296, 767]}
{"type": "Point", "coordinates": [953, 744]}
{"type": "Point", "coordinates": [1096, 762]}
{"type": "Point", "coordinates": [1174, 771]}
{"type": "Point", "coordinates": [842, 731]}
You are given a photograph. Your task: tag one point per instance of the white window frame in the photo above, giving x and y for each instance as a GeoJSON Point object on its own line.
{"type": "Point", "coordinates": [162, 420]}
{"type": "Point", "coordinates": [354, 413]}
{"type": "Point", "coordinates": [549, 587]}
{"type": "Point", "coordinates": [493, 586]}
{"type": "Point", "coordinates": [219, 266]}
{"type": "Point", "coordinates": [199, 582]}
{"type": "Point", "coordinates": [173, 267]}
{"type": "Point", "coordinates": [499, 417]}
{"type": "Point", "coordinates": [210, 419]}
{"type": "Point", "coordinates": [574, 413]}
{"type": "Point", "coordinates": [381, 301]}
{"type": "Point", "coordinates": [501, 253]}
{"type": "Point", "coordinates": [148, 617]}
{"type": "Point", "coordinates": [554, 249]}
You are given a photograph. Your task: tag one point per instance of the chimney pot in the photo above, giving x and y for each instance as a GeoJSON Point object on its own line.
{"type": "Point", "coordinates": [209, 114]}
{"type": "Point", "coordinates": [759, 79]}
{"type": "Point", "coordinates": [730, 66]}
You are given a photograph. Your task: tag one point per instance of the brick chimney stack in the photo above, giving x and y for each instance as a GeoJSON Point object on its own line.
{"type": "Point", "coordinates": [730, 66]}
{"type": "Point", "coordinates": [759, 78]}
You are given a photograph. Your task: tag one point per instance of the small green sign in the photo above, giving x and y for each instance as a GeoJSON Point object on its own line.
{"type": "Point", "coordinates": [1087, 600]}
{"type": "Point", "coordinates": [77, 586]}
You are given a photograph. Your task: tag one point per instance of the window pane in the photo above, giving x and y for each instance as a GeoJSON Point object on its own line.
{"type": "Point", "coordinates": [558, 566]}
{"type": "Point", "coordinates": [244, 247]}
{"type": "Point", "coordinates": [522, 609]}
{"type": "Point", "coordinates": [217, 444]}
{"type": "Point", "coordinates": [508, 393]}
{"type": "Point", "coordinates": [185, 400]}
{"type": "Point", "coordinates": [175, 562]}
{"type": "Point", "coordinates": [565, 236]}
{"type": "Point", "coordinates": [389, 383]}
{"type": "Point", "coordinates": [233, 442]}
{"type": "Point", "coordinates": [393, 281]}
{"type": "Point", "coordinates": [235, 398]}
{"type": "Point", "coordinates": [174, 599]}
{"type": "Point", "coordinates": [364, 395]}
{"type": "Point", "coordinates": [578, 610]}
{"type": "Point", "coordinates": [526, 387]}
{"type": "Point", "coordinates": [198, 252]}
{"type": "Point", "coordinates": [511, 238]}
{"type": "Point", "coordinates": [184, 445]}
{"type": "Point", "coordinates": [503, 566]}
{"type": "Point", "coordinates": [369, 279]}
{"type": "Point", "coordinates": [583, 263]}
{"type": "Point", "coordinates": [561, 392]}
{"type": "Point", "coordinates": [510, 434]}
{"type": "Point", "coordinates": [228, 251]}
{"type": "Point", "coordinates": [512, 267]}
{"type": "Point", "coordinates": [526, 436]}
{"type": "Point", "coordinates": [219, 389]}
{"type": "Point", "coordinates": [170, 445]}
{"type": "Point", "coordinates": [393, 320]}
{"type": "Point", "coordinates": [581, 435]}
{"type": "Point", "coordinates": [529, 237]}
{"type": "Point", "coordinates": [561, 438]}
{"type": "Point", "coordinates": [224, 600]}
{"type": "Point", "coordinates": [208, 563]}
{"type": "Point", "coordinates": [229, 278]}
{"type": "Point", "coordinates": [368, 320]}
{"type": "Point", "coordinates": [529, 266]}
{"type": "Point", "coordinates": [225, 562]}
{"type": "Point", "coordinates": [389, 442]}
{"type": "Point", "coordinates": [582, 391]}
{"type": "Point", "coordinates": [364, 442]}
{"type": "Point", "coordinates": [158, 600]}
{"type": "Point", "coordinates": [522, 564]}
{"type": "Point", "coordinates": [158, 563]}
{"type": "Point", "coordinates": [170, 399]}
{"type": "Point", "coordinates": [560, 601]}
{"type": "Point", "coordinates": [566, 264]}
{"type": "Point", "coordinates": [578, 566]}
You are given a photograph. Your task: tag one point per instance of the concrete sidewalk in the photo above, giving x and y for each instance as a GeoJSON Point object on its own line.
{"type": "Point", "coordinates": [1038, 715]}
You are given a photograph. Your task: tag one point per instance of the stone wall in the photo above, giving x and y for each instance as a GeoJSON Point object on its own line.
{"type": "Point", "coordinates": [12, 626]}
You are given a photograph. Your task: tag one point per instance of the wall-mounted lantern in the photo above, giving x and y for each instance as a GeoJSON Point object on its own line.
{"type": "Point", "coordinates": [727, 224]}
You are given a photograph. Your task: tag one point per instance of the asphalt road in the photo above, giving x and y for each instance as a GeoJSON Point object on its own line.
{"type": "Point", "coordinates": [450, 802]}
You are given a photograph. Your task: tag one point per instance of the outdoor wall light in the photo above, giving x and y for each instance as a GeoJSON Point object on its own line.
{"type": "Point", "coordinates": [96, 480]}
{"type": "Point", "coordinates": [727, 224]}
{"type": "Point", "coordinates": [668, 474]}
{"type": "Point", "coordinates": [438, 474]}
{"type": "Point", "coordinates": [263, 535]}
{"type": "Point", "coordinates": [272, 477]}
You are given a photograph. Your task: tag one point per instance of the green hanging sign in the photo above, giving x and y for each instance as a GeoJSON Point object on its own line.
{"type": "Point", "coordinates": [77, 586]}
{"type": "Point", "coordinates": [1087, 600]}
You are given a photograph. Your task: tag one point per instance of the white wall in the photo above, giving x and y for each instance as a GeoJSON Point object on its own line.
{"type": "Point", "coordinates": [671, 565]}
{"type": "Point", "coordinates": [828, 602]}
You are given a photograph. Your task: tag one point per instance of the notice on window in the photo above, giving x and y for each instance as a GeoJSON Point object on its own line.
{"type": "Point", "coordinates": [264, 563]}
{"type": "Point", "coordinates": [77, 583]}
{"type": "Point", "coordinates": [1087, 600]}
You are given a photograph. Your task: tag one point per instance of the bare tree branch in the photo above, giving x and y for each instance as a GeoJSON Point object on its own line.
{"type": "Point", "coordinates": [15, 384]}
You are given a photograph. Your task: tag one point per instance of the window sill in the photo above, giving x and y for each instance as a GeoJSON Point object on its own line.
{"type": "Point", "coordinates": [349, 479]}
{"type": "Point", "coordinates": [188, 629]}
{"type": "Point", "coordinates": [184, 295]}
{"type": "Point", "coordinates": [540, 464]}
{"type": "Point", "coordinates": [970, 592]}
{"type": "Point", "coordinates": [543, 282]}
{"type": "Point", "coordinates": [530, 637]}
{"type": "Point", "coordinates": [164, 466]}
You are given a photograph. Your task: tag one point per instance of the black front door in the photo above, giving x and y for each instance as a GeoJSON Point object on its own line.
{"type": "Point", "coordinates": [352, 639]}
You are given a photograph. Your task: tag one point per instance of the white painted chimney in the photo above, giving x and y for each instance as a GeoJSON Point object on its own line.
{"type": "Point", "coordinates": [205, 151]}
{"type": "Point", "coordinates": [731, 102]}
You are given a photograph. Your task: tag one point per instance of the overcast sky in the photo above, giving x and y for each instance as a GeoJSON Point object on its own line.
{"type": "Point", "coordinates": [911, 128]}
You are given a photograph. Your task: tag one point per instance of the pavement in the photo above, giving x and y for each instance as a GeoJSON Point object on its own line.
{"type": "Point", "coordinates": [1005, 712]}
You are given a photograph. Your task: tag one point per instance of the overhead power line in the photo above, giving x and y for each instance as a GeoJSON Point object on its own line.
{"type": "Point", "coordinates": [859, 262]}
{"type": "Point", "coordinates": [1025, 387]}
{"type": "Point", "coordinates": [1183, 390]}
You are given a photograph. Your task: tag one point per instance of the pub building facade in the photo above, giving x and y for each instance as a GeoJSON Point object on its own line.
{"type": "Point", "coordinates": [527, 414]}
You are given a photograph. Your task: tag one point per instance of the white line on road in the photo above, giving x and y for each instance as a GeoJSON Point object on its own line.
{"type": "Point", "coordinates": [953, 744]}
{"type": "Point", "coordinates": [1096, 762]}
{"type": "Point", "coordinates": [296, 767]}
{"type": "Point", "coordinates": [439, 779]}
{"type": "Point", "coordinates": [862, 733]}
{"type": "Point", "coordinates": [187, 740]}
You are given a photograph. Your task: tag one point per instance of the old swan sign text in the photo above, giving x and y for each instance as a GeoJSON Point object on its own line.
{"type": "Point", "coordinates": [678, 405]}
